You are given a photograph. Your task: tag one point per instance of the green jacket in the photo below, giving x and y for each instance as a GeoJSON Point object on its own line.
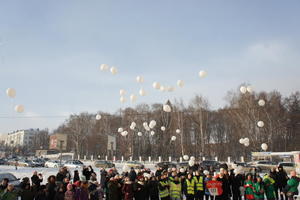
{"type": "Point", "coordinates": [259, 191]}
{"type": "Point", "coordinates": [293, 184]}
{"type": "Point", "coordinates": [6, 195]}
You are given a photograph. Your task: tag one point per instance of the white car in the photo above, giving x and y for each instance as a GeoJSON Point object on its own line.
{"type": "Point", "coordinates": [73, 164]}
{"type": "Point", "coordinates": [52, 163]}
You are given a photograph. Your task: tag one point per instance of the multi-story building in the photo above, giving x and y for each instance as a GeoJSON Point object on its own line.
{"type": "Point", "coordinates": [20, 138]}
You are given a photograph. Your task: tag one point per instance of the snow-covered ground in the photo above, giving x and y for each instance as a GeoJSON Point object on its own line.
{"type": "Point", "coordinates": [22, 172]}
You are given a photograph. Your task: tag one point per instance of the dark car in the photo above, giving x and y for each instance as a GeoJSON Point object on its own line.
{"type": "Point", "coordinates": [3, 162]}
{"type": "Point", "coordinates": [165, 165]}
{"type": "Point", "coordinates": [207, 164]}
{"type": "Point", "coordinates": [104, 164]}
{"type": "Point", "coordinates": [12, 179]}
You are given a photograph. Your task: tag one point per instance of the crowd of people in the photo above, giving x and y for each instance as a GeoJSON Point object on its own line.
{"type": "Point", "coordinates": [164, 184]}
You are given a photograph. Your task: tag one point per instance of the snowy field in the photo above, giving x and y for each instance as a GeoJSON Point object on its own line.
{"type": "Point", "coordinates": [22, 172]}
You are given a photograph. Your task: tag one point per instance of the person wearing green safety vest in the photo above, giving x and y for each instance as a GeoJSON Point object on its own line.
{"type": "Point", "coordinates": [172, 177]}
{"type": "Point", "coordinates": [175, 189]}
{"type": "Point", "coordinates": [269, 187]}
{"type": "Point", "coordinates": [199, 181]}
{"type": "Point", "coordinates": [163, 187]}
{"type": "Point", "coordinates": [189, 187]}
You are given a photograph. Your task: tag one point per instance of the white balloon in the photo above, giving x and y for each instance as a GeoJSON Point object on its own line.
{"type": "Point", "coordinates": [11, 92]}
{"type": "Point", "coordinates": [241, 141]}
{"type": "Point", "coordinates": [173, 138]}
{"type": "Point", "coordinates": [191, 163]}
{"type": "Point", "coordinates": [249, 89]}
{"type": "Point", "coordinates": [152, 124]}
{"type": "Point", "coordinates": [104, 67]}
{"type": "Point", "coordinates": [156, 85]}
{"type": "Point", "coordinates": [162, 88]}
{"type": "Point", "coordinates": [243, 89]}
{"type": "Point", "coordinates": [246, 140]}
{"type": "Point", "coordinates": [177, 130]}
{"type": "Point", "coordinates": [261, 102]}
{"type": "Point", "coordinates": [152, 133]}
{"type": "Point", "coordinates": [125, 133]}
{"type": "Point", "coordinates": [167, 108]}
{"type": "Point", "coordinates": [142, 92]}
{"type": "Point", "coordinates": [139, 79]}
{"type": "Point", "coordinates": [264, 146]}
{"type": "Point", "coordinates": [140, 134]}
{"type": "Point", "coordinates": [122, 92]}
{"type": "Point", "coordinates": [98, 117]}
{"type": "Point", "coordinates": [246, 144]}
{"type": "Point", "coordinates": [19, 108]}
{"type": "Point", "coordinates": [202, 74]}
{"type": "Point", "coordinates": [185, 157]}
{"type": "Point", "coordinates": [180, 83]}
{"type": "Point", "coordinates": [122, 99]}
{"type": "Point", "coordinates": [132, 127]}
{"type": "Point", "coordinates": [147, 128]}
{"type": "Point", "coordinates": [260, 124]}
{"type": "Point", "coordinates": [113, 70]}
{"type": "Point", "coordinates": [133, 98]}
{"type": "Point", "coordinates": [120, 130]}
{"type": "Point", "coordinates": [170, 89]}
{"type": "Point", "coordinates": [163, 128]}
{"type": "Point", "coordinates": [192, 158]}
{"type": "Point", "coordinates": [133, 124]}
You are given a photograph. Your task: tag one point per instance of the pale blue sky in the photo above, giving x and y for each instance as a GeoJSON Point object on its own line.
{"type": "Point", "coordinates": [50, 52]}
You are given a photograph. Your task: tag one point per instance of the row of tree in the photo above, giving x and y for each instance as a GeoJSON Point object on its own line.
{"type": "Point", "coordinates": [203, 131]}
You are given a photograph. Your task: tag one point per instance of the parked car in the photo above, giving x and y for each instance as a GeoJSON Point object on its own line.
{"type": "Point", "coordinates": [184, 165]}
{"type": "Point", "coordinates": [206, 164]}
{"type": "Point", "coordinates": [12, 179]}
{"type": "Point", "coordinates": [287, 166]}
{"type": "Point", "coordinates": [165, 165]}
{"type": "Point", "coordinates": [263, 165]}
{"type": "Point", "coordinates": [3, 162]}
{"type": "Point", "coordinates": [103, 164]}
{"type": "Point", "coordinates": [134, 164]}
{"type": "Point", "coordinates": [73, 164]}
{"type": "Point", "coordinates": [38, 162]}
{"type": "Point", "coordinates": [52, 163]}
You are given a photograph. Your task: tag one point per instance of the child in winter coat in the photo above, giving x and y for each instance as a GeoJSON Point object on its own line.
{"type": "Point", "coordinates": [69, 194]}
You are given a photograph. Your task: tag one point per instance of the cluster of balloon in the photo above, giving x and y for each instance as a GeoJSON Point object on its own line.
{"type": "Point", "coordinates": [139, 79]}
{"type": "Point", "coordinates": [146, 127]}
{"type": "Point", "coordinates": [132, 125]}
{"type": "Point", "coordinates": [167, 108]}
{"type": "Point", "coordinates": [105, 67]}
{"type": "Point", "coordinates": [264, 146]}
{"type": "Point", "coordinates": [202, 74]}
{"type": "Point", "coordinates": [163, 128]}
{"type": "Point", "coordinates": [98, 117]}
{"type": "Point", "coordinates": [260, 124]}
{"type": "Point", "coordinates": [124, 133]}
{"type": "Point", "coordinates": [173, 138]}
{"type": "Point", "coordinates": [122, 94]}
{"type": "Point", "coordinates": [152, 124]}
{"type": "Point", "coordinates": [158, 86]}
{"type": "Point", "coordinates": [11, 93]}
{"type": "Point", "coordinates": [185, 157]}
{"type": "Point", "coordinates": [245, 89]}
{"type": "Point", "coordinates": [245, 141]}
{"type": "Point", "coordinates": [261, 102]}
